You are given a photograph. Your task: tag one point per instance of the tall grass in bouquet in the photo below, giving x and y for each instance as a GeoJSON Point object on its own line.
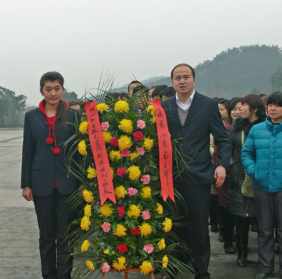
{"type": "Point", "coordinates": [132, 227]}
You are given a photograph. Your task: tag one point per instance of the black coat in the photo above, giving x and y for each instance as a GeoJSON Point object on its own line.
{"type": "Point", "coordinates": [203, 119]}
{"type": "Point", "coordinates": [41, 169]}
{"type": "Point", "coordinates": [238, 204]}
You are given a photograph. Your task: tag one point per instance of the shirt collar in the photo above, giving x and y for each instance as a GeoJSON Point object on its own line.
{"type": "Point", "coordinates": [185, 105]}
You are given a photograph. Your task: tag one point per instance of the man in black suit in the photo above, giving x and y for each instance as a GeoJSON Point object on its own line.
{"type": "Point", "coordinates": [44, 177]}
{"type": "Point", "coordinates": [192, 118]}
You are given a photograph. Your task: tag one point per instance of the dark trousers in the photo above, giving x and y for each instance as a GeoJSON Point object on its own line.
{"type": "Point", "coordinates": [194, 230]}
{"type": "Point", "coordinates": [215, 214]}
{"type": "Point", "coordinates": [228, 225]}
{"type": "Point", "coordinates": [242, 235]}
{"type": "Point", "coordinates": [269, 213]}
{"type": "Point", "coordinates": [53, 218]}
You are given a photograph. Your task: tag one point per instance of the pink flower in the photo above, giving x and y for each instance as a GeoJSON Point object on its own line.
{"type": "Point", "coordinates": [105, 267]}
{"type": "Point", "coordinates": [140, 150]}
{"type": "Point", "coordinates": [148, 248]}
{"type": "Point", "coordinates": [146, 215]}
{"type": "Point", "coordinates": [141, 124]}
{"type": "Point", "coordinates": [124, 153]}
{"type": "Point", "coordinates": [145, 179]}
{"type": "Point", "coordinates": [132, 191]}
{"type": "Point", "coordinates": [105, 126]}
{"type": "Point", "coordinates": [106, 227]}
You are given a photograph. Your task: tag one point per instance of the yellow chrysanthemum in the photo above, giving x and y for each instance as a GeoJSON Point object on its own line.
{"type": "Point", "coordinates": [124, 142]}
{"type": "Point", "coordinates": [146, 267]}
{"type": "Point", "coordinates": [120, 230]}
{"type": "Point", "coordinates": [167, 225]}
{"type": "Point", "coordinates": [159, 209]}
{"type": "Point", "coordinates": [102, 107]}
{"type": "Point", "coordinates": [120, 192]}
{"type": "Point", "coordinates": [85, 246]}
{"type": "Point", "coordinates": [134, 211]}
{"type": "Point", "coordinates": [134, 155]}
{"type": "Point", "coordinates": [151, 109]}
{"type": "Point", "coordinates": [106, 210]}
{"type": "Point", "coordinates": [133, 172]}
{"type": "Point", "coordinates": [153, 119]}
{"type": "Point", "coordinates": [87, 196]}
{"type": "Point", "coordinates": [90, 265]}
{"type": "Point", "coordinates": [126, 126]}
{"type": "Point", "coordinates": [107, 136]}
{"type": "Point", "coordinates": [83, 127]}
{"type": "Point", "coordinates": [82, 148]}
{"type": "Point", "coordinates": [115, 155]}
{"type": "Point", "coordinates": [146, 192]}
{"type": "Point", "coordinates": [146, 229]}
{"type": "Point", "coordinates": [121, 106]}
{"type": "Point", "coordinates": [148, 144]}
{"type": "Point", "coordinates": [91, 173]}
{"type": "Point", "coordinates": [87, 210]}
{"type": "Point", "coordinates": [120, 263]}
{"type": "Point", "coordinates": [85, 223]}
{"type": "Point", "coordinates": [161, 244]}
{"type": "Point", "coordinates": [165, 261]}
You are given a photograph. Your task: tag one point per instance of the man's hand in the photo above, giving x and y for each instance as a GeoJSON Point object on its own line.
{"type": "Point", "coordinates": [27, 193]}
{"type": "Point", "coordinates": [219, 175]}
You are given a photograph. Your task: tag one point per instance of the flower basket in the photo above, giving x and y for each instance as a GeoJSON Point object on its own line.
{"type": "Point", "coordinates": [125, 224]}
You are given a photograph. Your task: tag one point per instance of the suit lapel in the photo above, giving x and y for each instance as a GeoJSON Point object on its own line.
{"type": "Point", "coordinates": [174, 112]}
{"type": "Point", "coordinates": [194, 108]}
{"type": "Point", "coordinates": [41, 119]}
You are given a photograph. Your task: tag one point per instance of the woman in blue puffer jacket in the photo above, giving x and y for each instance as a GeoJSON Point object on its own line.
{"type": "Point", "coordinates": [262, 160]}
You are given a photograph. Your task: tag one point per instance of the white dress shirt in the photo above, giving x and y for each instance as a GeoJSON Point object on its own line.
{"type": "Point", "coordinates": [187, 104]}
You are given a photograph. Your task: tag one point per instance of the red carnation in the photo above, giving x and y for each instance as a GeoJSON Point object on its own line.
{"type": "Point", "coordinates": [125, 153]}
{"type": "Point", "coordinates": [121, 171]}
{"type": "Point", "coordinates": [122, 248]}
{"type": "Point", "coordinates": [121, 211]}
{"type": "Point", "coordinates": [135, 231]}
{"type": "Point", "coordinates": [49, 140]}
{"type": "Point", "coordinates": [138, 136]}
{"type": "Point", "coordinates": [114, 142]}
{"type": "Point", "coordinates": [56, 150]}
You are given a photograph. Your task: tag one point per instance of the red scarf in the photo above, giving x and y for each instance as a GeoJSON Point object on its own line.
{"type": "Point", "coordinates": [51, 122]}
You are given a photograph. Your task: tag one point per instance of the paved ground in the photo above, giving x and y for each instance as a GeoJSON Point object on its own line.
{"type": "Point", "coordinates": [19, 257]}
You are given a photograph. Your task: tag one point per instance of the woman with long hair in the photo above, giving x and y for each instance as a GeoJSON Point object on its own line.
{"type": "Point", "coordinates": [242, 206]}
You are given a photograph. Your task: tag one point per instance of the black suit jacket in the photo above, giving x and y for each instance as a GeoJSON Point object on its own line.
{"type": "Point", "coordinates": [203, 119]}
{"type": "Point", "coordinates": [41, 170]}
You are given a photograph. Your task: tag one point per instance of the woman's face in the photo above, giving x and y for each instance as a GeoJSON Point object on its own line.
{"type": "Point", "coordinates": [245, 111]}
{"type": "Point", "coordinates": [235, 112]}
{"type": "Point", "coordinates": [223, 111]}
{"type": "Point", "coordinates": [52, 92]}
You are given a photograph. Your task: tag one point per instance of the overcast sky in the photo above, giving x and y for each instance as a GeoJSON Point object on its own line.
{"type": "Point", "coordinates": [123, 38]}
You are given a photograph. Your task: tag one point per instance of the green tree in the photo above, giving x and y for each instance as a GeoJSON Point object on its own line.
{"type": "Point", "coordinates": [12, 108]}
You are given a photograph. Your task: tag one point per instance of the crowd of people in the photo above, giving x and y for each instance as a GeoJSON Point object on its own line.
{"type": "Point", "coordinates": [248, 201]}
{"type": "Point", "coordinates": [233, 181]}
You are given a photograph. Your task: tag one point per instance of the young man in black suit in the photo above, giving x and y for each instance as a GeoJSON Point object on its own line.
{"type": "Point", "coordinates": [192, 118]}
{"type": "Point", "coordinates": [44, 177]}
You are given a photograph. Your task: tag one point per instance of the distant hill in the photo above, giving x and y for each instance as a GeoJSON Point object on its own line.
{"type": "Point", "coordinates": [236, 72]}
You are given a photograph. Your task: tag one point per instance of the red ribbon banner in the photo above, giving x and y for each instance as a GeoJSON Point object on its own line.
{"type": "Point", "coordinates": [165, 152]}
{"type": "Point", "coordinates": [97, 143]}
